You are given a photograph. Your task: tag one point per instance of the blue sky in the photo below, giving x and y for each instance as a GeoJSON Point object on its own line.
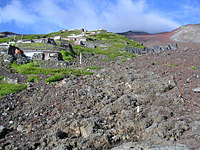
{"type": "Point", "coordinates": [44, 16]}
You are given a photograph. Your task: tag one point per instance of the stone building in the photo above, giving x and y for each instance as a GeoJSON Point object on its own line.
{"type": "Point", "coordinates": [52, 56]}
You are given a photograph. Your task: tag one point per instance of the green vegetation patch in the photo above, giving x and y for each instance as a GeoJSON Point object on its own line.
{"type": "Point", "coordinates": [93, 67]}
{"type": "Point", "coordinates": [169, 65]}
{"type": "Point", "coordinates": [25, 37]}
{"type": "Point", "coordinates": [105, 60]}
{"type": "Point", "coordinates": [67, 56]}
{"type": "Point", "coordinates": [55, 77]}
{"type": "Point", "coordinates": [33, 36]}
{"type": "Point", "coordinates": [193, 68]}
{"type": "Point", "coordinates": [110, 52]}
{"type": "Point", "coordinates": [34, 46]}
{"type": "Point", "coordinates": [116, 44]}
{"type": "Point", "coordinates": [122, 61]}
{"type": "Point", "coordinates": [1, 77]}
{"type": "Point", "coordinates": [175, 65]}
{"type": "Point", "coordinates": [5, 40]}
{"type": "Point", "coordinates": [32, 68]}
{"type": "Point", "coordinates": [82, 49]}
{"type": "Point", "coordinates": [33, 78]}
{"type": "Point", "coordinates": [63, 33]}
{"type": "Point", "coordinates": [6, 88]}
{"type": "Point", "coordinates": [116, 40]}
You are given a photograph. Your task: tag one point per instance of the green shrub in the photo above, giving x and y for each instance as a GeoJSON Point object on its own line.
{"type": "Point", "coordinates": [122, 61]}
{"type": "Point", "coordinates": [182, 65]}
{"type": "Point", "coordinates": [33, 78]}
{"type": "Point", "coordinates": [32, 68]}
{"type": "Point", "coordinates": [1, 77]}
{"type": "Point", "coordinates": [175, 65]}
{"type": "Point", "coordinates": [78, 49]}
{"type": "Point", "coordinates": [6, 88]}
{"type": "Point", "coordinates": [105, 60]}
{"type": "Point", "coordinates": [193, 68]}
{"type": "Point", "coordinates": [67, 56]}
{"type": "Point", "coordinates": [155, 62]}
{"type": "Point", "coordinates": [55, 77]}
{"type": "Point", "coordinates": [85, 72]}
{"type": "Point", "coordinates": [93, 67]}
{"type": "Point", "coordinates": [169, 65]}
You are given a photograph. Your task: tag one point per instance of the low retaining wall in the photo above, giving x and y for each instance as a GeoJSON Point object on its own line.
{"type": "Point", "coordinates": [154, 49]}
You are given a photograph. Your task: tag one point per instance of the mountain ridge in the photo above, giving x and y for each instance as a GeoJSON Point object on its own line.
{"type": "Point", "coordinates": [184, 34]}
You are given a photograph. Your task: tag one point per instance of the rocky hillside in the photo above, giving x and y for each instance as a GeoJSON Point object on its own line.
{"type": "Point", "coordinates": [7, 34]}
{"type": "Point", "coordinates": [188, 33]}
{"type": "Point", "coordinates": [117, 104]}
{"type": "Point", "coordinates": [112, 100]}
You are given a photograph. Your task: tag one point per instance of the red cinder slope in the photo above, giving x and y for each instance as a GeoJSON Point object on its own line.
{"type": "Point", "coordinates": [184, 34]}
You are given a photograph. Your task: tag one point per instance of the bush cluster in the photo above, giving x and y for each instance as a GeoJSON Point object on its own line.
{"type": "Point", "coordinates": [1, 77]}
{"type": "Point", "coordinates": [67, 56]}
{"type": "Point", "coordinates": [6, 88]}
{"type": "Point", "coordinates": [33, 78]}
{"type": "Point", "coordinates": [55, 77]}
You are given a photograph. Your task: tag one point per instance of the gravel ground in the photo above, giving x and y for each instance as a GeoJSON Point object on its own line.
{"type": "Point", "coordinates": [141, 104]}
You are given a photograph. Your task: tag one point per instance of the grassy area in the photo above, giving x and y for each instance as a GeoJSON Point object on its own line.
{"type": "Point", "coordinates": [25, 37]}
{"type": "Point", "coordinates": [105, 60]}
{"type": "Point", "coordinates": [6, 88]}
{"type": "Point", "coordinates": [33, 36]}
{"type": "Point", "coordinates": [110, 52]}
{"type": "Point", "coordinates": [116, 40]}
{"type": "Point", "coordinates": [93, 67]}
{"type": "Point", "coordinates": [4, 40]}
{"type": "Point", "coordinates": [67, 56]}
{"type": "Point", "coordinates": [1, 77]}
{"type": "Point", "coordinates": [63, 33]}
{"type": "Point", "coordinates": [33, 78]}
{"type": "Point", "coordinates": [116, 48]}
{"type": "Point", "coordinates": [36, 46]}
{"type": "Point", "coordinates": [55, 77]}
{"type": "Point", "coordinates": [82, 49]}
{"type": "Point", "coordinates": [193, 68]}
{"type": "Point", "coordinates": [32, 68]}
{"type": "Point", "coordinates": [122, 61]}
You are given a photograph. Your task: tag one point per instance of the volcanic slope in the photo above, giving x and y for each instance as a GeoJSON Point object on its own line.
{"type": "Point", "coordinates": [188, 34]}
{"type": "Point", "coordinates": [122, 105]}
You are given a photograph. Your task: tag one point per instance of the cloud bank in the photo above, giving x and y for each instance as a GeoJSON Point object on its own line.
{"type": "Point", "coordinates": [43, 16]}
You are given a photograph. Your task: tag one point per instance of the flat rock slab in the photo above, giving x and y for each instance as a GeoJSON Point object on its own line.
{"type": "Point", "coordinates": [142, 146]}
{"type": "Point", "coordinates": [197, 90]}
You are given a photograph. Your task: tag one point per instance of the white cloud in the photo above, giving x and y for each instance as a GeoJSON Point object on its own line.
{"type": "Point", "coordinates": [128, 15]}
{"type": "Point", "coordinates": [16, 12]}
{"type": "Point", "coordinates": [117, 16]}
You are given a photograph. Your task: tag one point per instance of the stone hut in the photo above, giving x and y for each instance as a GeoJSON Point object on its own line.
{"type": "Point", "coordinates": [52, 56]}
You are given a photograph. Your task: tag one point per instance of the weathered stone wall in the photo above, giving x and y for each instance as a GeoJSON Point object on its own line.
{"type": "Point", "coordinates": [154, 49]}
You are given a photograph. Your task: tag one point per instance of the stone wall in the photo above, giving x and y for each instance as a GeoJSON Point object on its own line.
{"type": "Point", "coordinates": [154, 49]}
